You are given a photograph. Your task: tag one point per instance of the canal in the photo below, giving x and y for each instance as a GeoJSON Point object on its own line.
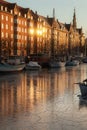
{"type": "Point", "coordinates": [43, 100]}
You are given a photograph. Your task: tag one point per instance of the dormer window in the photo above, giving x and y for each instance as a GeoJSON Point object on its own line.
{"type": "Point", "coordinates": [2, 8]}
{"type": "Point", "coordinates": [25, 15]}
{"type": "Point", "coordinates": [11, 11]}
{"type": "Point", "coordinates": [6, 9]}
{"type": "Point", "coordinates": [19, 13]}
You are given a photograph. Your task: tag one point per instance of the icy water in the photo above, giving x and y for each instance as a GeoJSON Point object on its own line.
{"type": "Point", "coordinates": [44, 100]}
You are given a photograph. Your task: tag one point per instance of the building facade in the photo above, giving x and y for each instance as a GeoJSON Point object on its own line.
{"type": "Point", "coordinates": [24, 32]}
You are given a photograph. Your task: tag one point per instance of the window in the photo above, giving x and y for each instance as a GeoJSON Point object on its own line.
{"type": "Point", "coordinates": [22, 22]}
{"type": "Point", "coordinates": [6, 35]}
{"type": "Point", "coordinates": [19, 14]}
{"type": "Point", "coordinates": [2, 34]}
{"type": "Point", "coordinates": [11, 28]}
{"type": "Point", "coordinates": [11, 20]}
{"type": "Point", "coordinates": [2, 16]}
{"type": "Point", "coordinates": [22, 37]}
{"type": "Point", "coordinates": [2, 8]}
{"type": "Point", "coordinates": [22, 29]}
{"type": "Point", "coordinates": [31, 38]}
{"type": "Point", "coordinates": [2, 25]}
{"type": "Point", "coordinates": [31, 17]}
{"type": "Point", "coordinates": [25, 37]}
{"type": "Point", "coordinates": [25, 16]}
{"type": "Point", "coordinates": [11, 35]}
{"type": "Point", "coordinates": [11, 11]}
{"type": "Point", "coordinates": [6, 26]}
{"type": "Point", "coordinates": [31, 24]}
{"type": "Point", "coordinates": [5, 8]}
{"type": "Point", "coordinates": [6, 18]}
{"type": "Point", "coordinates": [25, 23]}
{"type": "Point", "coordinates": [25, 30]}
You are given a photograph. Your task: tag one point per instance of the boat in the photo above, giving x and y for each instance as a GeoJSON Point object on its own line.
{"type": "Point", "coordinates": [32, 65]}
{"type": "Point", "coordinates": [84, 60]}
{"type": "Point", "coordinates": [55, 64]}
{"type": "Point", "coordinates": [83, 88]}
{"type": "Point", "coordinates": [71, 63]}
{"type": "Point", "coordinates": [5, 67]}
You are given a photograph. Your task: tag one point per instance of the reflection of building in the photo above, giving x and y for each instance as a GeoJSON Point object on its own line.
{"type": "Point", "coordinates": [24, 32]}
{"type": "Point", "coordinates": [22, 92]}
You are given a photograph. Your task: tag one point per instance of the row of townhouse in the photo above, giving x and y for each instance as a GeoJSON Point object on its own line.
{"type": "Point", "coordinates": [24, 32]}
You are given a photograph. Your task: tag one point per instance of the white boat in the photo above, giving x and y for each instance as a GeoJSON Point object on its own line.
{"type": "Point", "coordinates": [5, 67]}
{"type": "Point", "coordinates": [83, 88]}
{"type": "Point", "coordinates": [32, 65]}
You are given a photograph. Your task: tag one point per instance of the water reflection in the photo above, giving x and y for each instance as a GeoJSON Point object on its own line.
{"type": "Point", "coordinates": [40, 98]}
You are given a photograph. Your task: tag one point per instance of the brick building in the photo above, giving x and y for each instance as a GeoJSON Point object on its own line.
{"type": "Point", "coordinates": [24, 32]}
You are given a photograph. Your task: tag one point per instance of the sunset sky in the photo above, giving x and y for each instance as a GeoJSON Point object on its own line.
{"type": "Point", "coordinates": [63, 9]}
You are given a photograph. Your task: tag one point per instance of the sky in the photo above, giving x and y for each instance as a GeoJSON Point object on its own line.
{"type": "Point", "coordinates": [64, 10]}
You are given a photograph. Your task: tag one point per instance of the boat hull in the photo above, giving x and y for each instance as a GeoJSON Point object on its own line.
{"type": "Point", "coordinates": [83, 89]}
{"type": "Point", "coordinates": [72, 63]}
{"type": "Point", "coordinates": [56, 64]}
{"type": "Point", "coordinates": [11, 68]}
{"type": "Point", "coordinates": [32, 67]}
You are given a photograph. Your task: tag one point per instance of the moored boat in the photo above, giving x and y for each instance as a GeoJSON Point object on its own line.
{"type": "Point", "coordinates": [55, 63]}
{"type": "Point", "coordinates": [32, 65]}
{"type": "Point", "coordinates": [5, 67]}
{"type": "Point", "coordinates": [72, 63]}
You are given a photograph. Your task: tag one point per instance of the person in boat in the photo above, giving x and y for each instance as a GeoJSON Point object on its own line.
{"type": "Point", "coordinates": [85, 81]}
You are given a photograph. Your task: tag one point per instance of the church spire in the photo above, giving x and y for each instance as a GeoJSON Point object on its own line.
{"type": "Point", "coordinates": [74, 20]}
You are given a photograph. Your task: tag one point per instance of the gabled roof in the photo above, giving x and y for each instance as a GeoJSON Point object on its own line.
{"type": "Point", "coordinates": [53, 22]}
{"type": "Point", "coordinates": [50, 20]}
{"type": "Point", "coordinates": [68, 26]}
{"type": "Point", "coordinates": [79, 30]}
{"type": "Point", "coordinates": [44, 19]}
{"type": "Point", "coordinates": [4, 3]}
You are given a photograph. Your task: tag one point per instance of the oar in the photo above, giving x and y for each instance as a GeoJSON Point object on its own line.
{"type": "Point", "coordinates": [78, 83]}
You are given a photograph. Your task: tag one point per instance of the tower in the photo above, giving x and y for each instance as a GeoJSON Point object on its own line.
{"type": "Point", "coordinates": [54, 13]}
{"type": "Point", "coordinates": [74, 20]}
